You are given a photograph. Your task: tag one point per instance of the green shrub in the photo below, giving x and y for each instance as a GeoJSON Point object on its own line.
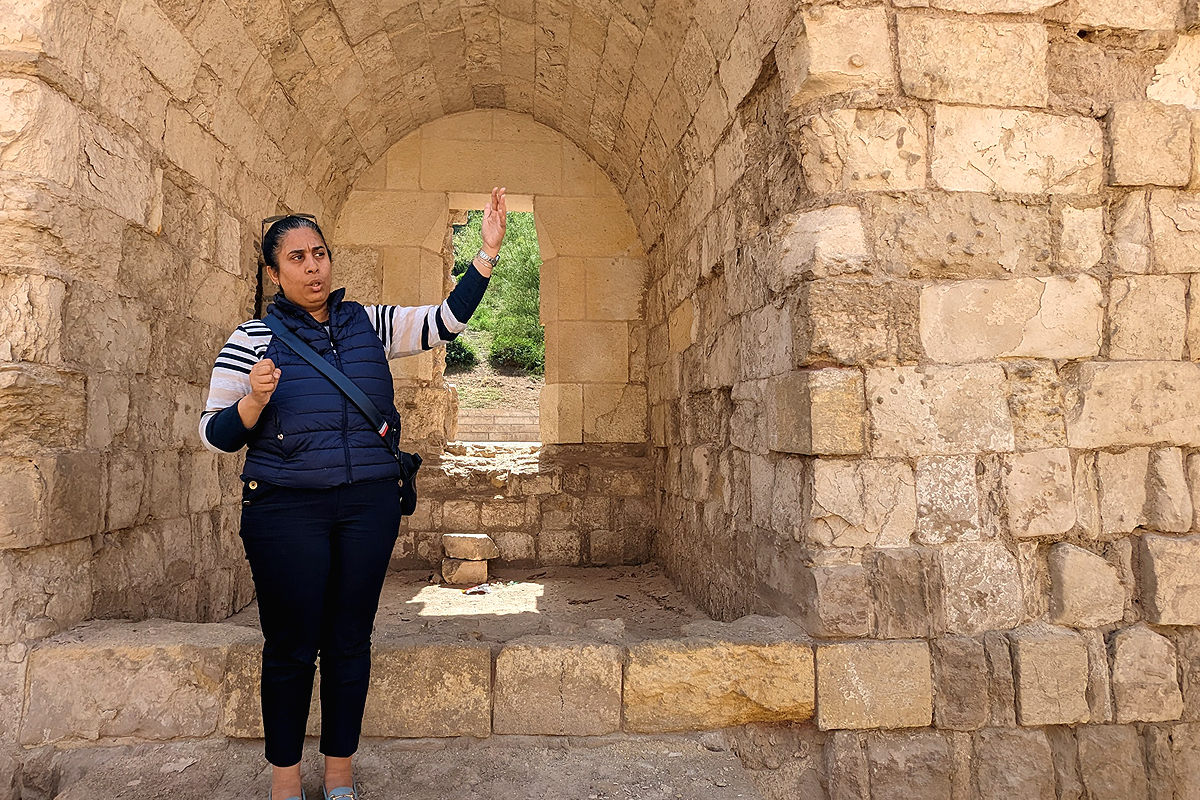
{"type": "Point", "coordinates": [519, 352]}
{"type": "Point", "coordinates": [460, 354]}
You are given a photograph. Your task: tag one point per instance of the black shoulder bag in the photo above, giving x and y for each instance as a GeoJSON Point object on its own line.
{"type": "Point", "coordinates": [409, 462]}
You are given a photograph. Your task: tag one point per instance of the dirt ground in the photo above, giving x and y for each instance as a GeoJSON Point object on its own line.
{"type": "Point", "coordinates": [485, 386]}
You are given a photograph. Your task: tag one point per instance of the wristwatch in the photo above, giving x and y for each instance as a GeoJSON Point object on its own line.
{"type": "Point", "coordinates": [489, 259]}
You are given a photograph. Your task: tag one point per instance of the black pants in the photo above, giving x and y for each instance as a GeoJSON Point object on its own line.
{"type": "Point", "coordinates": [318, 557]}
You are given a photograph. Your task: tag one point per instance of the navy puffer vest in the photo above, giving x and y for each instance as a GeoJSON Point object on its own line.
{"type": "Point", "coordinates": [310, 436]}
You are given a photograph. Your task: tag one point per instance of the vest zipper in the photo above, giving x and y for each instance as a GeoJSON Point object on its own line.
{"type": "Point", "coordinates": [345, 412]}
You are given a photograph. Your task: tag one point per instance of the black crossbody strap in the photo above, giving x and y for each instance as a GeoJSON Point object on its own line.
{"type": "Point", "coordinates": [409, 462]}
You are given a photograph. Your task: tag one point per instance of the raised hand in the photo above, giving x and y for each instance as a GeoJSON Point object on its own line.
{"type": "Point", "coordinates": [495, 220]}
{"type": "Point", "coordinates": [264, 378]}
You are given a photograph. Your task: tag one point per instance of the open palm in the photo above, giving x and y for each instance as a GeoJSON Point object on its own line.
{"type": "Point", "coordinates": [495, 220]}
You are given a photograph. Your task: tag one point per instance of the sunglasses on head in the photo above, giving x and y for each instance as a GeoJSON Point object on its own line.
{"type": "Point", "coordinates": [269, 221]}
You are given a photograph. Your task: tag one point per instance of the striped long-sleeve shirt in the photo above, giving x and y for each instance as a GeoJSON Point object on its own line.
{"type": "Point", "coordinates": [404, 331]}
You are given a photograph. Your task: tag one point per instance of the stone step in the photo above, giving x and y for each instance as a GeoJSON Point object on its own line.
{"type": "Point", "coordinates": [499, 768]}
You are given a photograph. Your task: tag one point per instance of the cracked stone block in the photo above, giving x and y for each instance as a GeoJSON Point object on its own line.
{"type": "Point", "coordinates": [1174, 231]}
{"type": "Point", "coordinates": [1058, 318]}
{"type": "Point", "coordinates": [456, 701]}
{"type": "Point", "coordinates": [1085, 590]}
{"type": "Point", "coordinates": [1171, 579]}
{"type": "Point", "coordinates": [1151, 144]}
{"type": "Point", "coordinates": [852, 324]}
{"type": "Point", "coordinates": [758, 669]}
{"type": "Point", "coordinates": [1168, 499]}
{"type": "Point", "coordinates": [1040, 492]}
{"type": "Point", "coordinates": [822, 243]}
{"type": "Point", "coordinates": [557, 687]}
{"type": "Point", "coordinates": [947, 500]}
{"type": "Point", "coordinates": [830, 50]}
{"type": "Point", "coordinates": [862, 503]}
{"type": "Point", "coordinates": [1051, 667]}
{"type": "Point", "coordinates": [1125, 404]}
{"type": "Point", "coordinates": [981, 588]}
{"type": "Point", "coordinates": [1145, 679]}
{"type": "Point", "coordinates": [1131, 234]}
{"type": "Point", "coordinates": [457, 572]}
{"type": "Point", "coordinates": [963, 60]}
{"type": "Point", "coordinates": [1111, 762]}
{"type": "Point", "coordinates": [817, 412]}
{"type": "Point", "coordinates": [1147, 318]}
{"type": "Point", "coordinates": [874, 685]}
{"type": "Point", "coordinates": [864, 150]}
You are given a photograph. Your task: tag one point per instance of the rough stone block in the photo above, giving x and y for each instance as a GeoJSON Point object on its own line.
{"type": "Point", "coordinates": [1014, 763]}
{"type": "Point", "coordinates": [1122, 485]}
{"type": "Point", "coordinates": [1168, 500]}
{"type": "Point", "coordinates": [846, 765]}
{"type": "Point", "coordinates": [901, 584]}
{"type": "Point", "coordinates": [469, 546]}
{"type": "Point", "coordinates": [615, 412]}
{"type": "Point", "coordinates": [31, 318]}
{"type": "Point", "coordinates": [989, 149]}
{"type": "Point", "coordinates": [862, 503]}
{"type": "Point", "coordinates": [1126, 404]}
{"type": "Point", "coordinates": [963, 60]}
{"type": "Point", "coordinates": [1111, 762]}
{"type": "Point", "coordinates": [1146, 15]}
{"type": "Point", "coordinates": [1187, 644]}
{"type": "Point", "coordinates": [821, 244]}
{"type": "Point", "coordinates": [50, 499]}
{"type": "Point", "coordinates": [555, 687]}
{"type": "Point", "coordinates": [590, 227]}
{"type": "Point", "coordinates": [1082, 244]}
{"type": "Point", "coordinates": [981, 588]}
{"type": "Point", "coordinates": [874, 685]}
{"type": "Point", "coordinates": [836, 600]}
{"type": "Point", "coordinates": [918, 411]}
{"type": "Point", "coordinates": [1170, 579]}
{"type": "Point", "coordinates": [854, 323]}
{"type": "Point", "coordinates": [560, 413]}
{"type": "Point", "coordinates": [1060, 318]}
{"type": "Point", "coordinates": [42, 408]}
{"type": "Point", "coordinates": [831, 50]}
{"type": "Point", "coordinates": [818, 412]}
{"type": "Point", "coordinates": [41, 131]}
{"type": "Point", "coordinates": [1151, 144]}
{"type": "Point", "coordinates": [1051, 676]}
{"type": "Point", "coordinates": [1174, 231]}
{"type": "Point", "coordinates": [755, 670]}
{"type": "Point", "coordinates": [947, 499]}
{"type": "Point", "coordinates": [147, 680]}
{"type": "Point", "coordinates": [960, 683]}
{"type": "Point", "coordinates": [457, 699]}
{"type": "Point", "coordinates": [593, 352]}
{"type": "Point", "coordinates": [1145, 680]}
{"type": "Point", "coordinates": [865, 150]}
{"type": "Point", "coordinates": [911, 766]}
{"type": "Point", "coordinates": [1147, 318]}
{"type": "Point", "coordinates": [463, 573]}
{"type": "Point", "coordinates": [1085, 590]}
{"type": "Point", "coordinates": [1040, 492]}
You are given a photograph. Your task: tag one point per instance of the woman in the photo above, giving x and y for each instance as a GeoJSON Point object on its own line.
{"type": "Point", "coordinates": [320, 501]}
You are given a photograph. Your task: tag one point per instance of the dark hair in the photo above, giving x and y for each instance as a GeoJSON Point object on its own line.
{"type": "Point", "coordinates": [273, 238]}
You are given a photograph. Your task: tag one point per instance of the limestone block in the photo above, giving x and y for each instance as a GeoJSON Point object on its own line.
{"type": "Point", "coordinates": [31, 318]}
{"type": "Point", "coordinates": [614, 288]}
{"type": "Point", "coordinates": [241, 717]}
{"type": "Point", "coordinates": [816, 412]}
{"type": "Point", "coordinates": [865, 150]}
{"type": "Point", "coordinates": [1082, 244]}
{"type": "Point", "coordinates": [456, 695]}
{"type": "Point", "coordinates": [862, 503]}
{"type": "Point", "coordinates": [1125, 403]}
{"type": "Point", "coordinates": [681, 326]}
{"type": "Point", "coordinates": [160, 46]}
{"type": "Point", "coordinates": [1147, 15]}
{"type": "Point", "coordinates": [1014, 763]}
{"type": "Point", "coordinates": [1040, 492]}
{"type": "Point", "coordinates": [403, 219]}
{"type": "Point", "coordinates": [989, 149]}
{"type": "Point", "coordinates": [560, 413]}
{"type": "Point", "coordinates": [593, 352]}
{"type": "Point", "coordinates": [912, 765]}
{"type": "Point", "coordinates": [1085, 590]}
{"type": "Point", "coordinates": [1170, 579]}
{"type": "Point", "coordinates": [557, 687]}
{"type": "Point", "coordinates": [461, 515]}
{"type": "Point", "coordinates": [594, 227]}
{"type": "Point", "coordinates": [831, 50]}
{"type": "Point", "coordinates": [615, 413]}
{"type": "Point", "coordinates": [918, 411]}
{"type": "Point", "coordinates": [1147, 318]}
{"type": "Point", "coordinates": [193, 148]}
{"type": "Point", "coordinates": [1058, 318]}
{"type": "Point", "coordinates": [989, 6]}
{"type": "Point", "coordinates": [1052, 675]}
{"type": "Point", "coordinates": [1175, 231]}
{"type": "Point", "coordinates": [962, 60]}
{"type": "Point", "coordinates": [530, 167]}
{"type": "Point", "coordinates": [1145, 679]}
{"type": "Point", "coordinates": [960, 683]}
{"type": "Point", "coordinates": [821, 243]}
{"type": "Point", "coordinates": [981, 588]}
{"type": "Point", "coordinates": [901, 582]}
{"type": "Point", "coordinates": [49, 589]}
{"type": "Point", "coordinates": [469, 546]}
{"type": "Point", "coordinates": [874, 685]}
{"type": "Point", "coordinates": [947, 499]}
{"type": "Point", "coordinates": [39, 131]}
{"type": "Point", "coordinates": [148, 680]}
{"type": "Point", "coordinates": [1151, 144]}
{"type": "Point", "coordinates": [457, 572]}
{"type": "Point", "coordinates": [1122, 481]}
{"type": "Point", "coordinates": [835, 599]}
{"type": "Point", "coordinates": [50, 499]}
{"type": "Point", "coordinates": [1131, 234]}
{"type": "Point", "coordinates": [1168, 501]}
{"type": "Point", "coordinates": [854, 323]}
{"type": "Point", "coordinates": [757, 669]}
{"type": "Point", "coordinates": [1111, 762]}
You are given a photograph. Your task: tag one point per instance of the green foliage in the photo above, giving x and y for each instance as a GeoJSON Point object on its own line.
{"type": "Point", "coordinates": [460, 354]}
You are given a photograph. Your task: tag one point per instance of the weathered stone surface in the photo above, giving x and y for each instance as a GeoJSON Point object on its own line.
{"type": "Point", "coordinates": [1145, 680]}
{"type": "Point", "coordinates": [43, 407]}
{"type": "Point", "coordinates": [1110, 762]}
{"type": "Point", "coordinates": [981, 588]}
{"type": "Point", "coordinates": [1082, 244]}
{"type": "Point", "coordinates": [902, 584]}
{"type": "Point", "coordinates": [1168, 500]}
{"type": "Point", "coordinates": [980, 320]}
{"type": "Point", "coordinates": [862, 503]}
{"type": "Point", "coordinates": [31, 318]}
{"type": "Point", "coordinates": [1175, 78]}
{"type": "Point", "coordinates": [1174, 229]}
{"type": "Point", "coordinates": [836, 600]}
{"type": "Point", "coordinates": [50, 499]}
{"type": "Point", "coordinates": [557, 687]}
{"type": "Point", "coordinates": [1036, 404]}
{"type": "Point", "coordinates": [1051, 675]}
{"type": "Point", "coordinates": [1014, 763]}
{"type": "Point", "coordinates": [1040, 492]}
{"type": "Point", "coordinates": [41, 131]}
{"type": "Point", "coordinates": [865, 150]}
{"type": "Point", "coordinates": [846, 765]}
{"type": "Point", "coordinates": [755, 670]}
{"type": "Point", "coordinates": [1187, 645]}
{"type": "Point", "coordinates": [149, 680]}
{"type": "Point", "coordinates": [908, 766]}
{"type": "Point", "coordinates": [457, 572]}
{"type": "Point", "coordinates": [854, 323]}
{"type": "Point", "coordinates": [1122, 483]}
{"type": "Point", "coordinates": [1002, 691]}
{"type": "Point", "coordinates": [469, 546]}
{"type": "Point", "coordinates": [960, 683]}
{"type": "Point", "coordinates": [1085, 590]}
{"type": "Point", "coordinates": [817, 412]}
{"type": "Point", "coordinates": [874, 685]}
{"type": "Point", "coordinates": [919, 411]}
{"type": "Point", "coordinates": [1145, 15]}
{"type": "Point", "coordinates": [947, 500]}
{"type": "Point", "coordinates": [459, 698]}
{"type": "Point", "coordinates": [987, 149]}
{"type": "Point", "coordinates": [1151, 144]}
{"type": "Point", "coordinates": [986, 6]}
{"type": "Point", "coordinates": [1100, 701]}
{"type": "Point", "coordinates": [1147, 318]}
{"type": "Point", "coordinates": [1127, 403]}
{"type": "Point", "coordinates": [961, 60]}
{"type": "Point", "coordinates": [242, 717]}
{"type": "Point", "coordinates": [1170, 579]}
{"type": "Point", "coordinates": [821, 244]}
{"type": "Point", "coordinates": [830, 50]}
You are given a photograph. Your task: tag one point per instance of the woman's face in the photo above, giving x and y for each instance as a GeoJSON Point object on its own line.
{"type": "Point", "coordinates": [305, 270]}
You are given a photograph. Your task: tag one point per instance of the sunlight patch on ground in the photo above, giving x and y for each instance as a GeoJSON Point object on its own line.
{"type": "Point", "coordinates": [505, 598]}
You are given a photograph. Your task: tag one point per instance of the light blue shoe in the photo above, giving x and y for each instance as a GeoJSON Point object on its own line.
{"type": "Point", "coordinates": [301, 797]}
{"type": "Point", "coordinates": [342, 792]}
